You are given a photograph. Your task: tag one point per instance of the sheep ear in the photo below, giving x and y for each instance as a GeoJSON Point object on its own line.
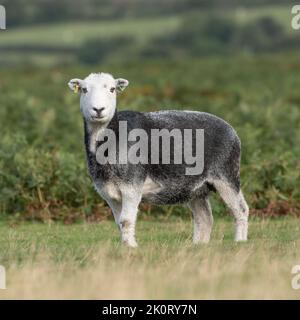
{"type": "Point", "coordinates": [75, 85]}
{"type": "Point", "coordinates": [121, 84]}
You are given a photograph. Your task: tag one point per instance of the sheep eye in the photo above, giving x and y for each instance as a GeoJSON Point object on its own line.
{"type": "Point", "coordinates": [112, 90]}
{"type": "Point", "coordinates": [84, 90]}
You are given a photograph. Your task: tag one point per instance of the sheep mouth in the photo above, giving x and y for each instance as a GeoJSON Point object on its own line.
{"type": "Point", "coordinates": [98, 118]}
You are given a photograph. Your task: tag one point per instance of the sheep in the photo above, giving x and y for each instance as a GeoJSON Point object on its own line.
{"type": "Point", "coordinates": [125, 185]}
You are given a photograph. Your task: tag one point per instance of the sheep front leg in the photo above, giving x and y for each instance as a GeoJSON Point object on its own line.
{"type": "Point", "coordinates": [130, 202]}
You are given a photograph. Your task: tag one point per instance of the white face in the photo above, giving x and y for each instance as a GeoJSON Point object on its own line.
{"type": "Point", "coordinates": [98, 95]}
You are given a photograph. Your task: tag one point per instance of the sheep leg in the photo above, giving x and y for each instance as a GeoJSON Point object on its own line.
{"type": "Point", "coordinates": [203, 220]}
{"type": "Point", "coordinates": [238, 206]}
{"type": "Point", "coordinates": [130, 202]}
{"type": "Point", "coordinates": [116, 207]}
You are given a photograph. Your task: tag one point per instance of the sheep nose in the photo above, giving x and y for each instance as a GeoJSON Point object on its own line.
{"type": "Point", "coordinates": [98, 111]}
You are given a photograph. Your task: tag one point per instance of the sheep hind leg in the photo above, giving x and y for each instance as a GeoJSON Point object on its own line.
{"type": "Point", "coordinates": [236, 202]}
{"type": "Point", "coordinates": [203, 220]}
{"type": "Point", "coordinates": [116, 207]}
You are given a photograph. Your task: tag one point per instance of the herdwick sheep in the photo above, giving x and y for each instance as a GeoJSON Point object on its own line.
{"type": "Point", "coordinates": [124, 186]}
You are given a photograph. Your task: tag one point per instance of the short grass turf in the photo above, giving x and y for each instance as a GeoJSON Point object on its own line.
{"type": "Point", "coordinates": [87, 261]}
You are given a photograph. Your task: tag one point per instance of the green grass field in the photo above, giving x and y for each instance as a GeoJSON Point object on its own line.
{"type": "Point", "coordinates": [87, 261]}
{"type": "Point", "coordinates": [74, 33]}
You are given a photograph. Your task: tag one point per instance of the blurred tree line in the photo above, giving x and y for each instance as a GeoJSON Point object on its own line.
{"type": "Point", "coordinates": [212, 35]}
{"type": "Point", "coordinates": [24, 12]}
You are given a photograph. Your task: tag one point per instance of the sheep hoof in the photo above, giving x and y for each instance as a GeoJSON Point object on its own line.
{"type": "Point", "coordinates": [130, 243]}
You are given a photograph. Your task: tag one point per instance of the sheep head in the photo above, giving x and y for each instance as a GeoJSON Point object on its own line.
{"type": "Point", "coordinates": [98, 95]}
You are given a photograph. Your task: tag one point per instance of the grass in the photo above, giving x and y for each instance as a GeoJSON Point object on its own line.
{"type": "Point", "coordinates": [86, 261]}
{"type": "Point", "coordinates": [75, 33]}
{"type": "Point", "coordinates": [280, 13]}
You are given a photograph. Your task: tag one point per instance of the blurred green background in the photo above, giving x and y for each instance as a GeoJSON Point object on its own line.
{"type": "Point", "coordinates": [236, 59]}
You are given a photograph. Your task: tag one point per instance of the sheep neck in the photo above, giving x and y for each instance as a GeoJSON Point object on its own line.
{"type": "Point", "coordinates": [93, 132]}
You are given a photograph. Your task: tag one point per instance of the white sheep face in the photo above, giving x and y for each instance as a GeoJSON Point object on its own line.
{"type": "Point", "coordinates": [98, 95]}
